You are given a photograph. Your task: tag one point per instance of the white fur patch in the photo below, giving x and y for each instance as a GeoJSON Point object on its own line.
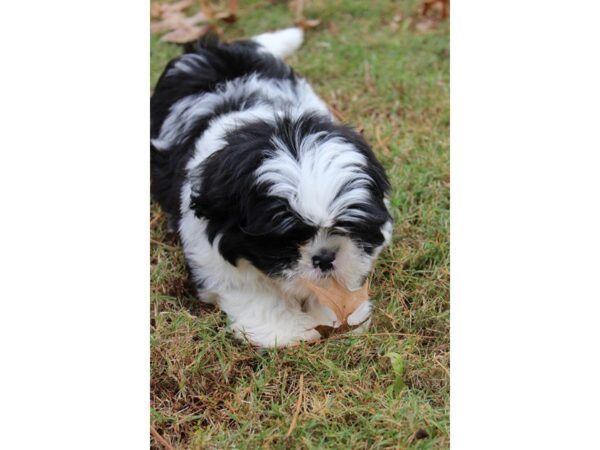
{"type": "Point", "coordinates": [311, 183]}
{"type": "Point", "coordinates": [281, 43]}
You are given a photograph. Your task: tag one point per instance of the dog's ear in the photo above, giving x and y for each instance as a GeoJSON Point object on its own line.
{"type": "Point", "coordinates": [380, 185]}
{"type": "Point", "coordinates": [224, 190]}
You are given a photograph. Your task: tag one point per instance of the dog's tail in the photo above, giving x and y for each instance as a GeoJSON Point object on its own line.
{"type": "Point", "coordinates": [281, 43]}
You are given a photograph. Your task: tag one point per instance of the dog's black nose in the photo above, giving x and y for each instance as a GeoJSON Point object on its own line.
{"type": "Point", "coordinates": [324, 260]}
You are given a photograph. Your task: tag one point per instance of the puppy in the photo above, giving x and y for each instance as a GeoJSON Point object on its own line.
{"type": "Point", "coordinates": [264, 188]}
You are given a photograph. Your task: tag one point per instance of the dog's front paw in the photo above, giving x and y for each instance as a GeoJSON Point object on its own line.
{"type": "Point", "coordinates": [283, 335]}
{"type": "Point", "coordinates": [361, 318]}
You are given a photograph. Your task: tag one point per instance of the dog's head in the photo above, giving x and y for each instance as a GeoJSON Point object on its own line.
{"type": "Point", "coordinates": [297, 198]}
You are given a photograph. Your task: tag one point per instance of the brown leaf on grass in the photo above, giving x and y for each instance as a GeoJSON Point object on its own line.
{"type": "Point", "coordinates": [178, 27]}
{"type": "Point", "coordinates": [341, 300]}
{"type": "Point", "coordinates": [185, 34]}
{"type": "Point", "coordinates": [155, 10]}
{"type": "Point", "coordinates": [326, 331]}
{"type": "Point", "coordinates": [297, 8]}
{"type": "Point", "coordinates": [229, 16]}
{"type": "Point", "coordinates": [207, 8]}
{"type": "Point", "coordinates": [158, 9]}
{"type": "Point", "coordinates": [176, 20]}
{"type": "Point", "coordinates": [167, 23]}
{"type": "Point", "coordinates": [439, 6]}
{"type": "Point", "coordinates": [226, 16]}
{"type": "Point", "coordinates": [307, 24]}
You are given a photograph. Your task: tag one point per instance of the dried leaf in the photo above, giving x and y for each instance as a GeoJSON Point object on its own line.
{"type": "Point", "coordinates": [178, 6]}
{"type": "Point", "coordinates": [179, 28]}
{"type": "Point", "coordinates": [159, 9]}
{"type": "Point", "coordinates": [226, 16]}
{"type": "Point", "coordinates": [307, 24]}
{"type": "Point", "coordinates": [169, 22]}
{"type": "Point", "coordinates": [439, 6]}
{"type": "Point", "coordinates": [327, 330]}
{"type": "Point", "coordinates": [229, 16]}
{"type": "Point", "coordinates": [339, 298]}
{"type": "Point", "coordinates": [155, 10]}
{"type": "Point", "coordinates": [185, 34]}
{"type": "Point", "coordinates": [207, 9]}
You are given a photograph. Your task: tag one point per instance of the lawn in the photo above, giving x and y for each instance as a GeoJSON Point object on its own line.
{"type": "Point", "coordinates": [208, 391]}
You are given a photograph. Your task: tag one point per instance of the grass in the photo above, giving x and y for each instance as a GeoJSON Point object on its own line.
{"type": "Point", "coordinates": [380, 390]}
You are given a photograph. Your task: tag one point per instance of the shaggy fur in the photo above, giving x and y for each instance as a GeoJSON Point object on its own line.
{"type": "Point", "coordinates": [263, 187]}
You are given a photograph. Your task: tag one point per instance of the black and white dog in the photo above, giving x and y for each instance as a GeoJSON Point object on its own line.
{"type": "Point", "coordinates": [264, 188]}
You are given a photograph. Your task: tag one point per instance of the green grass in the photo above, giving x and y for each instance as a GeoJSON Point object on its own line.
{"type": "Point", "coordinates": [208, 391]}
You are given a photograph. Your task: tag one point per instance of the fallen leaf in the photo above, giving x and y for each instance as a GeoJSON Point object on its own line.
{"type": "Point", "coordinates": [229, 16]}
{"type": "Point", "coordinates": [297, 8]}
{"type": "Point", "coordinates": [339, 298]}
{"type": "Point", "coordinates": [155, 10]}
{"type": "Point", "coordinates": [328, 330]}
{"type": "Point", "coordinates": [178, 20]}
{"type": "Point", "coordinates": [440, 6]}
{"type": "Point", "coordinates": [169, 22]}
{"type": "Point", "coordinates": [207, 8]}
{"type": "Point", "coordinates": [307, 24]}
{"type": "Point", "coordinates": [158, 9]}
{"type": "Point", "coordinates": [185, 34]}
{"type": "Point", "coordinates": [226, 16]}
{"type": "Point", "coordinates": [178, 27]}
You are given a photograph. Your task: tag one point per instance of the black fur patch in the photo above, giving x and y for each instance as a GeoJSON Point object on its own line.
{"type": "Point", "coordinates": [253, 225]}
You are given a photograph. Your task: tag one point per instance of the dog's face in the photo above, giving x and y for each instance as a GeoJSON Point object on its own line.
{"type": "Point", "coordinates": [298, 199]}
